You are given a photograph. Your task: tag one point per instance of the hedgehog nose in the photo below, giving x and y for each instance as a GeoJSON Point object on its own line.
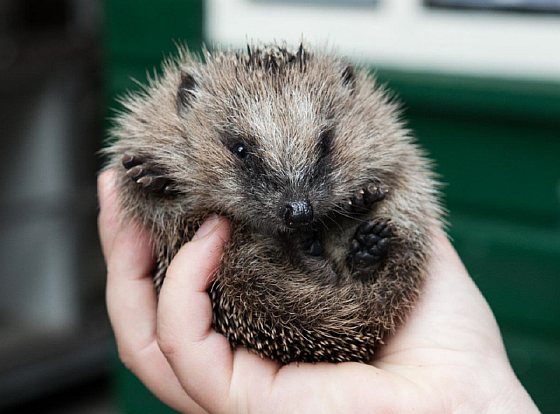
{"type": "Point", "coordinates": [297, 214]}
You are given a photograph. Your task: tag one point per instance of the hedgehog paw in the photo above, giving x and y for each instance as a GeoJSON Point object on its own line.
{"type": "Point", "coordinates": [369, 246]}
{"type": "Point", "coordinates": [366, 197]}
{"type": "Point", "coordinates": [146, 177]}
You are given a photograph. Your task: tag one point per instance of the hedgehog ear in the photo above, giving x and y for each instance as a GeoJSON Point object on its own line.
{"type": "Point", "coordinates": [186, 92]}
{"type": "Point", "coordinates": [349, 77]}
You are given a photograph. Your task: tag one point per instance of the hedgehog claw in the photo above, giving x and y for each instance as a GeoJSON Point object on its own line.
{"type": "Point", "coordinates": [147, 178]}
{"type": "Point", "coordinates": [129, 161]}
{"type": "Point", "coordinates": [135, 173]}
{"type": "Point", "coordinates": [368, 247]}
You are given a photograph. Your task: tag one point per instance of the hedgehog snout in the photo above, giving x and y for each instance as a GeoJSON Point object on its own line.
{"type": "Point", "coordinates": [297, 213]}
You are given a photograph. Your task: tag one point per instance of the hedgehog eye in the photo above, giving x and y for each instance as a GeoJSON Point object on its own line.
{"type": "Point", "coordinates": [240, 149]}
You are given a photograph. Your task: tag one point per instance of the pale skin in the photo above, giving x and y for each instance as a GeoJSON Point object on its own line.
{"type": "Point", "coordinates": [447, 358]}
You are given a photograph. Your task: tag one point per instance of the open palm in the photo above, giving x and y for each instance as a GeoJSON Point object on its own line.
{"type": "Point", "coordinates": [447, 357]}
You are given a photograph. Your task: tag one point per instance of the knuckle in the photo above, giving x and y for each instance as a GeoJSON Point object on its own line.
{"type": "Point", "coordinates": [127, 357]}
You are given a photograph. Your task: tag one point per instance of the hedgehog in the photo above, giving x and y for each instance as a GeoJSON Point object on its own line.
{"type": "Point", "coordinates": [331, 200]}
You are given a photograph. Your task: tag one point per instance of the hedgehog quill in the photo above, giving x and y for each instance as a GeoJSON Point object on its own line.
{"type": "Point", "coordinates": [331, 201]}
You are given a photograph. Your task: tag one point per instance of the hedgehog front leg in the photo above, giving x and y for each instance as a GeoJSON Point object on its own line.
{"type": "Point", "coordinates": [147, 177]}
{"type": "Point", "coordinates": [369, 246]}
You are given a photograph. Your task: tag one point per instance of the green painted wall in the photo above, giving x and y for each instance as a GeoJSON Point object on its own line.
{"type": "Point", "coordinates": [496, 143]}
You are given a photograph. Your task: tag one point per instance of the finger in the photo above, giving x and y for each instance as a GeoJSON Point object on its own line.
{"type": "Point", "coordinates": [200, 357]}
{"type": "Point", "coordinates": [108, 219]}
{"type": "Point", "coordinates": [131, 300]}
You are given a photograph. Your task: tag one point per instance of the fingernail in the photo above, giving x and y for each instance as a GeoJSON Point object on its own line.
{"type": "Point", "coordinates": [207, 227]}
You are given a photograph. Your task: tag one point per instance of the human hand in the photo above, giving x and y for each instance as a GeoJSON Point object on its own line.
{"type": "Point", "coordinates": [447, 357]}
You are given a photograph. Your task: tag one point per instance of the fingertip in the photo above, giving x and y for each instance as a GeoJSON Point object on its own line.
{"type": "Point", "coordinates": [224, 229]}
{"type": "Point", "coordinates": [208, 227]}
{"type": "Point", "coordinates": [120, 235]}
{"type": "Point", "coordinates": [108, 220]}
{"type": "Point", "coordinates": [108, 203]}
{"type": "Point", "coordinates": [439, 235]}
{"type": "Point", "coordinates": [442, 247]}
{"type": "Point", "coordinates": [105, 185]}
{"type": "Point", "coordinates": [213, 225]}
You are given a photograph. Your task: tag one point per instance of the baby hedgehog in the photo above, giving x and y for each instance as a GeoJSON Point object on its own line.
{"type": "Point", "coordinates": [331, 201]}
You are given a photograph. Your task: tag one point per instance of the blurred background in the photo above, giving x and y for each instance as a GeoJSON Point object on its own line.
{"type": "Point", "coordinates": [480, 85]}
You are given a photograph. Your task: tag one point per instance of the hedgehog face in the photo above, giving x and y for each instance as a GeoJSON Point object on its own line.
{"type": "Point", "coordinates": [278, 152]}
{"type": "Point", "coordinates": [273, 140]}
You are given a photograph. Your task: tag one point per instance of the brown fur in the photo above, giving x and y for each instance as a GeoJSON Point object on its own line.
{"type": "Point", "coordinates": [268, 295]}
